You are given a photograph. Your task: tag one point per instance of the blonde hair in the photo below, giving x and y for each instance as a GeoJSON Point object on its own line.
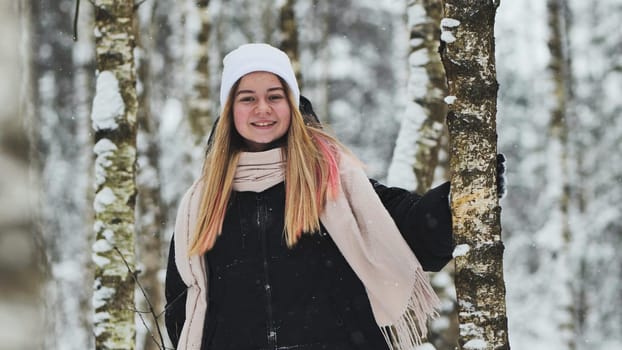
{"type": "Point", "coordinates": [311, 176]}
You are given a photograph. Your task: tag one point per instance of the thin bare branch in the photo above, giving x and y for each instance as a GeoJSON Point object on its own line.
{"type": "Point", "coordinates": [137, 5]}
{"type": "Point", "coordinates": [75, 21]}
{"type": "Point", "coordinates": [151, 308]}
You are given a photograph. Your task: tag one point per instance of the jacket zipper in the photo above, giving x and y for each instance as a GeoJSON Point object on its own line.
{"type": "Point", "coordinates": [262, 213]}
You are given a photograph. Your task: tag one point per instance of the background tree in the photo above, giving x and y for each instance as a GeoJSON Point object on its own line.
{"type": "Point", "coordinates": [558, 192]}
{"type": "Point", "coordinates": [594, 210]}
{"type": "Point", "coordinates": [532, 233]}
{"type": "Point", "coordinates": [150, 208]}
{"type": "Point", "coordinates": [289, 33]}
{"type": "Point", "coordinates": [432, 129]}
{"type": "Point", "coordinates": [468, 55]}
{"type": "Point", "coordinates": [524, 104]}
{"type": "Point", "coordinates": [344, 55]}
{"type": "Point", "coordinates": [426, 88]}
{"type": "Point", "coordinates": [114, 124]}
{"type": "Point", "coordinates": [418, 145]}
{"type": "Point", "coordinates": [22, 255]}
{"type": "Point", "coordinates": [198, 28]}
{"type": "Point", "coordinates": [62, 73]}
{"type": "Point", "coordinates": [168, 84]}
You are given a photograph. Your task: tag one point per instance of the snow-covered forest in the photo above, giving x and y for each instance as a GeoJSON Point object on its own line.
{"type": "Point", "coordinates": [371, 69]}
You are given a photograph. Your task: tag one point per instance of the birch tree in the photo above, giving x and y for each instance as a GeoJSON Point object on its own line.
{"type": "Point", "coordinates": [557, 181]}
{"type": "Point", "coordinates": [427, 86]}
{"type": "Point", "coordinates": [596, 66]}
{"type": "Point", "coordinates": [416, 150]}
{"type": "Point", "coordinates": [198, 27]}
{"type": "Point", "coordinates": [416, 153]}
{"type": "Point", "coordinates": [168, 92]}
{"type": "Point", "coordinates": [61, 95]}
{"type": "Point", "coordinates": [149, 207]}
{"type": "Point", "coordinates": [114, 124]}
{"type": "Point", "coordinates": [468, 55]}
{"type": "Point", "coordinates": [289, 36]}
{"type": "Point", "coordinates": [362, 89]}
{"type": "Point", "coordinates": [429, 92]}
{"type": "Point", "coordinates": [21, 254]}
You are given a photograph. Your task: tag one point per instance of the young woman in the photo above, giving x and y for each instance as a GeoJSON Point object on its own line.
{"type": "Point", "coordinates": [284, 243]}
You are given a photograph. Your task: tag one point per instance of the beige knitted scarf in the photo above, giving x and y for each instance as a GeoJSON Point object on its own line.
{"type": "Point", "coordinates": [399, 292]}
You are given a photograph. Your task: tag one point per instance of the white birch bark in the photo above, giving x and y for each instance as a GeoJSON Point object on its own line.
{"type": "Point", "coordinates": [417, 151]}
{"type": "Point", "coordinates": [114, 123]}
{"type": "Point", "coordinates": [468, 55]}
{"type": "Point", "coordinates": [426, 67]}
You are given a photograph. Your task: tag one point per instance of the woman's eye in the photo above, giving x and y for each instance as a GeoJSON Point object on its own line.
{"type": "Point", "coordinates": [246, 99]}
{"type": "Point", "coordinates": [276, 97]}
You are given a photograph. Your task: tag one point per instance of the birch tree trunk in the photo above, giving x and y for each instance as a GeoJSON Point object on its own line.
{"type": "Point", "coordinates": [60, 100]}
{"type": "Point", "coordinates": [468, 55]}
{"type": "Point", "coordinates": [169, 91]}
{"type": "Point", "coordinates": [114, 123]}
{"type": "Point", "coordinates": [597, 140]}
{"type": "Point", "coordinates": [198, 100]}
{"type": "Point", "coordinates": [558, 128]}
{"type": "Point", "coordinates": [559, 171]}
{"type": "Point", "coordinates": [289, 39]}
{"type": "Point", "coordinates": [83, 80]}
{"type": "Point", "coordinates": [149, 206]}
{"type": "Point", "coordinates": [22, 258]}
{"type": "Point", "coordinates": [424, 57]}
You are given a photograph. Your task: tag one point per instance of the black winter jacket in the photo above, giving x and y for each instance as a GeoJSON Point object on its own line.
{"type": "Point", "coordinates": [263, 295]}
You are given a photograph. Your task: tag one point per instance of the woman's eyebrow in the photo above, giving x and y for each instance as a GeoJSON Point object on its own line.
{"type": "Point", "coordinates": [252, 91]}
{"type": "Point", "coordinates": [276, 88]}
{"type": "Point", "coordinates": [244, 92]}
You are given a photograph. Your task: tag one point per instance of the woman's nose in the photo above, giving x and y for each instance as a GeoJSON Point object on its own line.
{"type": "Point", "coordinates": [262, 107]}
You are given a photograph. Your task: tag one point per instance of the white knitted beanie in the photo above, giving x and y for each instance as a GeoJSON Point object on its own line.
{"type": "Point", "coordinates": [254, 58]}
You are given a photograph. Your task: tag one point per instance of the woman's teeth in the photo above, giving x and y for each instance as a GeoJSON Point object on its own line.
{"type": "Point", "coordinates": [263, 124]}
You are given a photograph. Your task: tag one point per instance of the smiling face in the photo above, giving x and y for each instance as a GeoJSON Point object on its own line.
{"type": "Point", "coordinates": [261, 111]}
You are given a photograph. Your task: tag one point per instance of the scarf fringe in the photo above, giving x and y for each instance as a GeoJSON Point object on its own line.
{"type": "Point", "coordinates": [411, 329]}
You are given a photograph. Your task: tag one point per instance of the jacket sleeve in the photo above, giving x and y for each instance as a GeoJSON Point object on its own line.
{"type": "Point", "coordinates": [175, 292]}
{"type": "Point", "coordinates": [424, 221]}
